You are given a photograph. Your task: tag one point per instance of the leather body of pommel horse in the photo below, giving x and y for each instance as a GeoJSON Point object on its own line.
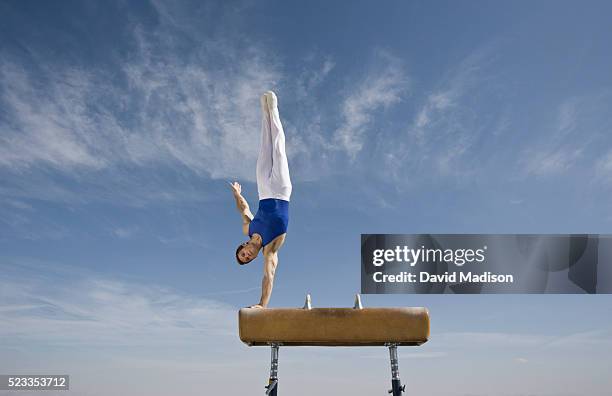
{"type": "Point", "coordinates": [333, 327]}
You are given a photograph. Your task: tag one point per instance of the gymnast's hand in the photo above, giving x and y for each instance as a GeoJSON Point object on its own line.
{"type": "Point", "coordinates": [236, 188]}
{"type": "Point", "coordinates": [257, 306]}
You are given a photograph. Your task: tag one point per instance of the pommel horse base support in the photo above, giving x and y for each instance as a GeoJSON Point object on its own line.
{"type": "Point", "coordinates": [332, 327]}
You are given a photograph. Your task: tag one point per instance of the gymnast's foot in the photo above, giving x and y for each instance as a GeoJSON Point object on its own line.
{"type": "Point", "coordinates": [257, 306]}
{"type": "Point", "coordinates": [272, 100]}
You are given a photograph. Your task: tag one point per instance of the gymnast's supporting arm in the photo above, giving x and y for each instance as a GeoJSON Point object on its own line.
{"type": "Point", "coordinates": [270, 263]}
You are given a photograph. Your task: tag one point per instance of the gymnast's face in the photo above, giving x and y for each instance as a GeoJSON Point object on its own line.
{"type": "Point", "coordinates": [247, 252]}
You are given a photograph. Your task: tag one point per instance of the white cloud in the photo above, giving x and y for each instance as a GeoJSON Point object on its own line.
{"type": "Point", "coordinates": [491, 340]}
{"type": "Point", "coordinates": [208, 120]}
{"type": "Point", "coordinates": [201, 111]}
{"type": "Point", "coordinates": [17, 204]}
{"type": "Point", "coordinates": [435, 103]}
{"type": "Point", "coordinates": [529, 341]}
{"type": "Point", "coordinates": [445, 104]}
{"type": "Point", "coordinates": [49, 123]}
{"type": "Point", "coordinates": [603, 167]}
{"type": "Point", "coordinates": [159, 120]}
{"type": "Point", "coordinates": [597, 338]}
{"type": "Point", "coordinates": [560, 152]}
{"type": "Point", "coordinates": [125, 232]}
{"type": "Point", "coordinates": [543, 163]}
{"type": "Point", "coordinates": [567, 114]}
{"type": "Point", "coordinates": [312, 77]}
{"type": "Point", "coordinates": [70, 307]}
{"type": "Point", "coordinates": [151, 339]}
{"type": "Point", "coordinates": [380, 89]}
{"type": "Point", "coordinates": [445, 127]}
{"type": "Point", "coordinates": [581, 125]}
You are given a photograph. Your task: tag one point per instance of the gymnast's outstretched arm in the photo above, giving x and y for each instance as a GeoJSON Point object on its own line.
{"type": "Point", "coordinates": [243, 207]}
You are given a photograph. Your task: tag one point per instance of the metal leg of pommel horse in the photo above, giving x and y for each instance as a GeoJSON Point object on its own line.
{"type": "Point", "coordinates": [396, 384]}
{"type": "Point", "coordinates": [272, 386]}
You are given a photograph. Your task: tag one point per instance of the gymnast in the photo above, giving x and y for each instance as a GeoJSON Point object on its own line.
{"type": "Point", "coordinates": [268, 228]}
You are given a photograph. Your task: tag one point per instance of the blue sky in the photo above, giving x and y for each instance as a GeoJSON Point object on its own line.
{"type": "Point", "coordinates": [120, 123]}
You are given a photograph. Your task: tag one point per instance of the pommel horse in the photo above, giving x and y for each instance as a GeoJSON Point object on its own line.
{"type": "Point", "coordinates": [333, 327]}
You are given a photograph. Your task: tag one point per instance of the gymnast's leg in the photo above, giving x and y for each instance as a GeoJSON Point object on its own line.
{"type": "Point", "coordinates": [264, 160]}
{"type": "Point", "coordinates": [280, 179]}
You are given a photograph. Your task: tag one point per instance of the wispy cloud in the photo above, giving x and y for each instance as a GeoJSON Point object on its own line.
{"type": "Point", "coordinates": [543, 163]}
{"type": "Point", "coordinates": [581, 123]}
{"type": "Point", "coordinates": [532, 341]}
{"type": "Point", "coordinates": [59, 317]}
{"type": "Point", "coordinates": [445, 127]}
{"type": "Point", "coordinates": [313, 76]}
{"type": "Point", "coordinates": [48, 121]}
{"type": "Point", "coordinates": [560, 152]}
{"type": "Point", "coordinates": [380, 89]}
{"type": "Point", "coordinates": [161, 115]}
{"type": "Point", "coordinates": [151, 123]}
{"type": "Point", "coordinates": [169, 111]}
{"type": "Point", "coordinates": [446, 104]}
{"type": "Point", "coordinates": [599, 338]}
{"type": "Point", "coordinates": [436, 105]}
{"type": "Point", "coordinates": [604, 166]}
{"type": "Point", "coordinates": [92, 310]}
{"type": "Point", "coordinates": [125, 232]}
{"type": "Point", "coordinates": [491, 339]}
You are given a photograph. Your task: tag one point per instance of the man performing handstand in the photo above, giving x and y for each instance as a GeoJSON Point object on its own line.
{"type": "Point", "coordinates": [268, 228]}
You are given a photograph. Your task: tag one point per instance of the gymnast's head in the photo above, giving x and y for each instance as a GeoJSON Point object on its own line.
{"type": "Point", "coordinates": [248, 250]}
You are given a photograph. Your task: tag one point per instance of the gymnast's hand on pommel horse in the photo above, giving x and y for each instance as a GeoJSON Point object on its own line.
{"type": "Point", "coordinates": [268, 228]}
